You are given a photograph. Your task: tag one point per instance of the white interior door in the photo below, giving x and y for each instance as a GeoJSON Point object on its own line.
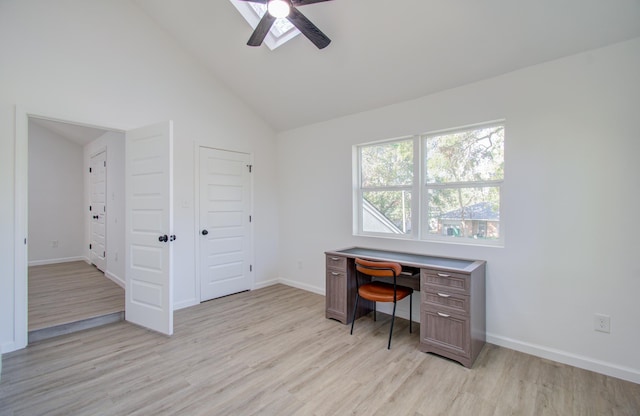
{"type": "Point", "coordinates": [98, 210]}
{"type": "Point", "coordinates": [149, 227]}
{"type": "Point", "coordinates": [225, 223]}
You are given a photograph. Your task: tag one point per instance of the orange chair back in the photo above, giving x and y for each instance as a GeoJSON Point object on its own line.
{"type": "Point", "coordinates": [378, 268]}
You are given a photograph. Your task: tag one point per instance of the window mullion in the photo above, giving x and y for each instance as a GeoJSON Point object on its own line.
{"type": "Point", "coordinates": [416, 201]}
{"type": "Point", "coordinates": [474, 184]}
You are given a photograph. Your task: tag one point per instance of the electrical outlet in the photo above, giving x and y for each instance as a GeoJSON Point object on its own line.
{"type": "Point", "coordinates": [54, 244]}
{"type": "Point", "coordinates": [602, 323]}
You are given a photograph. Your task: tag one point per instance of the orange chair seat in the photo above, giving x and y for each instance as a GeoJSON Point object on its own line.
{"type": "Point", "coordinates": [383, 292]}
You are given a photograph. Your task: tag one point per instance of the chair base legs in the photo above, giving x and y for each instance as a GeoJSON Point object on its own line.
{"type": "Point", "coordinates": [353, 317]}
{"type": "Point", "coordinates": [410, 312]}
{"type": "Point", "coordinates": [374, 312]}
{"type": "Point", "coordinates": [393, 316]}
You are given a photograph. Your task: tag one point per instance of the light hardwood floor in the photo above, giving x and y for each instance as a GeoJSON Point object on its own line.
{"type": "Point", "coordinates": [272, 352]}
{"type": "Point", "coordinates": [69, 292]}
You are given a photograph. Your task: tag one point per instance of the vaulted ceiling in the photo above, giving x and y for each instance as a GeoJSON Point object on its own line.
{"type": "Point", "coordinates": [383, 52]}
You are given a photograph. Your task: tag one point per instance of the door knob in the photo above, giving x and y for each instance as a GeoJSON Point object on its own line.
{"type": "Point", "coordinates": [205, 232]}
{"type": "Point", "coordinates": [163, 238]}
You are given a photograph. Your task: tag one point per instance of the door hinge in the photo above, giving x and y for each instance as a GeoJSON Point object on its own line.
{"type": "Point", "coordinates": [251, 267]}
{"type": "Point", "coordinates": [104, 208]}
{"type": "Point", "coordinates": [89, 207]}
{"type": "Point", "coordinates": [250, 219]}
{"type": "Point", "coordinates": [89, 170]}
{"type": "Point", "coordinates": [104, 254]}
{"type": "Point", "coordinates": [105, 163]}
{"type": "Point", "coordinates": [250, 167]}
{"type": "Point", "coordinates": [89, 246]}
{"type": "Point", "coordinates": [25, 241]}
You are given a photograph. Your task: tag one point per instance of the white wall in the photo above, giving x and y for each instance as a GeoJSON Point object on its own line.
{"type": "Point", "coordinates": [570, 203]}
{"type": "Point", "coordinates": [56, 196]}
{"type": "Point", "coordinates": [105, 63]}
{"type": "Point", "coordinates": [113, 143]}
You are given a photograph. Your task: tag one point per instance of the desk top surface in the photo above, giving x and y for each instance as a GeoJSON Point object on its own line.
{"type": "Point", "coordinates": [417, 260]}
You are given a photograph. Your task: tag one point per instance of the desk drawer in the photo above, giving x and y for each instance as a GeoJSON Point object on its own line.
{"type": "Point", "coordinates": [336, 262]}
{"type": "Point", "coordinates": [450, 282]}
{"type": "Point", "coordinates": [435, 299]}
{"type": "Point", "coordinates": [448, 332]}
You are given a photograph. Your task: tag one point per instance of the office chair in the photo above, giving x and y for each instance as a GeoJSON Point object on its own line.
{"type": "Point", "coordinates": [377, 291]}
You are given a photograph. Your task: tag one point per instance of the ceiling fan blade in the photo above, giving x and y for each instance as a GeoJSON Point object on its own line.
{"type": "Point", "coordinates": [305, 2]}
{"type": "Point", "coordinates": [308, 29]}
{"type": "Point", "coordinates": [261, 30]}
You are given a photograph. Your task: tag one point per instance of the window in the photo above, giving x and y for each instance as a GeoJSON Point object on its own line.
{"type": "Point", "coordinates": [386, 187]}
{"type": "Point", "coordinates": [441, 186]}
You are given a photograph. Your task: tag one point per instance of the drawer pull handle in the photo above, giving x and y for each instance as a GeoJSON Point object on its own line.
{"type": "Point", "coordinates": [335, 273]}
{"type": "Point", "coordinates": [444, 275]}
{"type": "Point", "coordinates": [335, 258]}
{"type": "Point", "coordinates": [444, 315]}
{"type": "Point", "coordinates": [443, 295]}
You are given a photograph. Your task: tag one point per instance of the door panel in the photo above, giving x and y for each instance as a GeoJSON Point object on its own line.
{"type": "Point", "coordinates": [149, 218]}
{"type": "Point", "coordinates": [225, 203]}
{"type": "Point", "coordinates": [98, 213]}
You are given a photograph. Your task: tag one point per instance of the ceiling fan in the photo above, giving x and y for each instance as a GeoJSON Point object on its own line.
{"type": "Point", "coordinates": [287, 9]}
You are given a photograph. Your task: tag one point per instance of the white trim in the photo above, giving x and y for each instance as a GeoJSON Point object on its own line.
{"type": "Point", "coordinates": [58, 260]}
{"type": "Point", "coordinates": [196, 218]}
{"type": "Point", "coordinates": [21, 231]}
{"type": "Point", "coordinates": [266, 283]}
{"type": "Point", "coordinates": [185, 304]}
{"type": "Point", "coordinates": [564, 357]}
{"type": "Point", "coordinates": [116, 279]}
{"type": "Point", "coordinates": [303, 286]}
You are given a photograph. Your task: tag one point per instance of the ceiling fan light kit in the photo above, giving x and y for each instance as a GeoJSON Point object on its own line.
{"type": "Point", "coordinates": [287, 9]}
{"type": "Point", "coordinates": [278, 8]}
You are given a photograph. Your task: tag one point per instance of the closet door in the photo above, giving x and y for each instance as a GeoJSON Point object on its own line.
{"type": "Point", "coordinates": [225, 223]}
{"type": "Point", "coordinates": [98, 210]}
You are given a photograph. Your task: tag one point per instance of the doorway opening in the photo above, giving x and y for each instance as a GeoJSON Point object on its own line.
{"type": "Point", "coordinates": [75, 227]}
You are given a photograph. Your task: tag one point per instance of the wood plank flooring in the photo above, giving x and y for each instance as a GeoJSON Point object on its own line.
{"type": "Point", "coordinates": [69, 292]}
{"type": "Point", "coordinates": [272, 352]}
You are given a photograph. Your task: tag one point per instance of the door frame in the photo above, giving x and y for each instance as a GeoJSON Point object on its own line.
{"type": "Point", "coordinates": [21, 217]}
{"type": "Point", "coordinates": [196, 213]}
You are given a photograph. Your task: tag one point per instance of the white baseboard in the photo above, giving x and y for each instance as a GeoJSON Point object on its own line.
{"type": "Point", "coordinates": [115, 279]}
{"type": "Point", "coordinates": [56, 261]}
{"type": "Point", "coordinates": [185, 304]}
{"type": "Point", "coordinates": [303, 286]}
{"type": "Point", "coordinates": [564, 357]}
{"type": "Point", "coordinates": [266, 283]}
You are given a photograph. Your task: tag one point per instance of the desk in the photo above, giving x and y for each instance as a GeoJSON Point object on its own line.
{"type": "Point", "coordinates": [452, 301]}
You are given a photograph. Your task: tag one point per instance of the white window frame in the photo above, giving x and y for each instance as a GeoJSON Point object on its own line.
{"type": "Point", "coordinates": [420, 192]}
{"type": "Point", "coordinates": [359, 191]}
